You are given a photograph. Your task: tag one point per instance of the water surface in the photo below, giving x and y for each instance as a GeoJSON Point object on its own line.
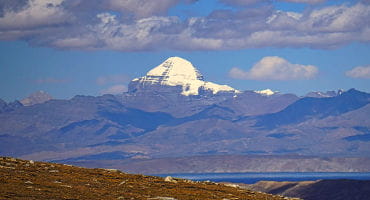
{"type": "Point", "coordinates": [254, 177]}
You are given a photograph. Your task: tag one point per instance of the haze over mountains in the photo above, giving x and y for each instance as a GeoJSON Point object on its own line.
{"type": "Point", "coordinates": [173, 112]}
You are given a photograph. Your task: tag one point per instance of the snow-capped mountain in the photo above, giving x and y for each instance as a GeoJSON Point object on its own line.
{"type": "Point", "coordinates": [318, 94]}
{"type": "Point", "coordinates": [36, 98]}
{"type": "Point", "coordinates": [266, 92]}
{"type": "Point", "coordinates": [176, 71]}
{"type": "Point", "coordinates": [178, 88]}
{"type": "Point", "coordinates": [6, 107]}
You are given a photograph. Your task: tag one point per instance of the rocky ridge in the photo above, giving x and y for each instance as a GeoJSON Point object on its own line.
{"type": "Point", "coordinates": [316, 190]}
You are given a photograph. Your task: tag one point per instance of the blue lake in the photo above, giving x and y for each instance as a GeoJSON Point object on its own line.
{"type": "Point", "coordinates": [254, 177]}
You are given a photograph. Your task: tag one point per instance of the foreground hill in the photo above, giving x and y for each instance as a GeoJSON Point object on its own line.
{"type": "Point", "coordinates": [317, 190]}
{"type": "Point", "coordinates": [21, 179]}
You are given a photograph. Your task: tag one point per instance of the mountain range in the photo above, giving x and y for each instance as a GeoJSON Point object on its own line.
{"type": "Point", "coordinates": [172, 112]}
{"type": "Point", "coordinates": [341, 189]}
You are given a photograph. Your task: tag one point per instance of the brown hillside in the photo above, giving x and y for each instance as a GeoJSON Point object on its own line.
{"type": "Point", "coordinates": [20, 179]}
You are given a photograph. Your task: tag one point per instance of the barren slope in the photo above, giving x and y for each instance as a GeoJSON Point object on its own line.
{"type": "Point", "coordinates": [20, 179]}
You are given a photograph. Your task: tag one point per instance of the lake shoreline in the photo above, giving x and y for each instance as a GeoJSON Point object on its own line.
{"type": "Point", "coordinates": [254, 177]}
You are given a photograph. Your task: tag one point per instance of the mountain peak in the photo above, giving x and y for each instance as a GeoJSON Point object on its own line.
{"type": "Point", "coordinates": [318, 94]}
{"type": "Point", "coordinates": [176, 71]}
{"type": "Point", "coordinates": [36, 98]}
{"type": "Point", "coordinates": [266, 92]}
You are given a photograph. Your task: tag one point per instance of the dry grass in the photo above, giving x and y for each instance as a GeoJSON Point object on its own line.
{"type": "Point", "coordinates": [20, 179]}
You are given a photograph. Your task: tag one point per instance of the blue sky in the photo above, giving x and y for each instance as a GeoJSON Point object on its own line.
{"type": "Point", "coordinates": [70, 47]}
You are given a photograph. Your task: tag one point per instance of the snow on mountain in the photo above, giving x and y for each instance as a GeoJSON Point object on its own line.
{"type": "Point", "coordinates": [266, 92]}
{"type": "Point", "coordinates": [318, 94]}
{"type": "Point", "coordinates": [176, 71]}
{"type": "Point", "coordinates": [36, 98]}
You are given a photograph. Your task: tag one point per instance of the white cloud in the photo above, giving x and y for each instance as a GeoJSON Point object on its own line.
{"type": "Point", "coordinates": [340, 18]}
{"type": "Point", "coordinates": [250, 2]}
{"type": "Point", "coordinates": [238, 73]}
{"type": "Point", "coordinates": [116, 89]}
{"type": "Point", "coordinates": [143, 8]}
{"type": "Point", "coordinates": [36, 13]}
{"type": "Point", "coordinates": [109, 33]}
{"type": "Point", "coordinates": [359, 72]}
{"type": "Point", "coordinates": [275, 68]}
{"type": "Point", "coordinates": [142, 25]}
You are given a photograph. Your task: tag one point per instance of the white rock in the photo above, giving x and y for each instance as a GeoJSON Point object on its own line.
{"type": "Point", "coordinates": [170, 179]}
{"type": "Point", "coordinates": [123, 182]}
{"type": "Point", "coordinates": [112, 170]}
{"type": "Point", "coordinates": [68, 186]}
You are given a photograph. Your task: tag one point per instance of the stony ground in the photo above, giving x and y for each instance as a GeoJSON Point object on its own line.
{"type": "Point", "coordinates": [20, 179]}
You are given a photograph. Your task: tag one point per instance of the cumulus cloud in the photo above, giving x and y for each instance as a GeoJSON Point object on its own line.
{"type": "Point", "coordinates": [109, 33]}
{"type": "Point", "coordinates": [143, 8]}
{"type": "Point", "coordinates": [112, 79]}
{"type": "Point", "coordinates": [126, 8]}
{"type": "Point", "coordinates": [142, 25]}
{"type": "Point", "coordinates": [12, 5]}
{"type": "Point", "coordinates": [275, 68]}
{"type": "Point", "coordinates": [116, 89]}
{"type": "Point", "coordinates": [359, 72]}
{"type": "Point", "coordinates": [251, 2]}
{"type": "Point", "coordinates": [34, 13]}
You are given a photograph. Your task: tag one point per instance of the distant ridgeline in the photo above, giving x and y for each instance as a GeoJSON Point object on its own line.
{"type": "Point", "coordinates": [172, 112]}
